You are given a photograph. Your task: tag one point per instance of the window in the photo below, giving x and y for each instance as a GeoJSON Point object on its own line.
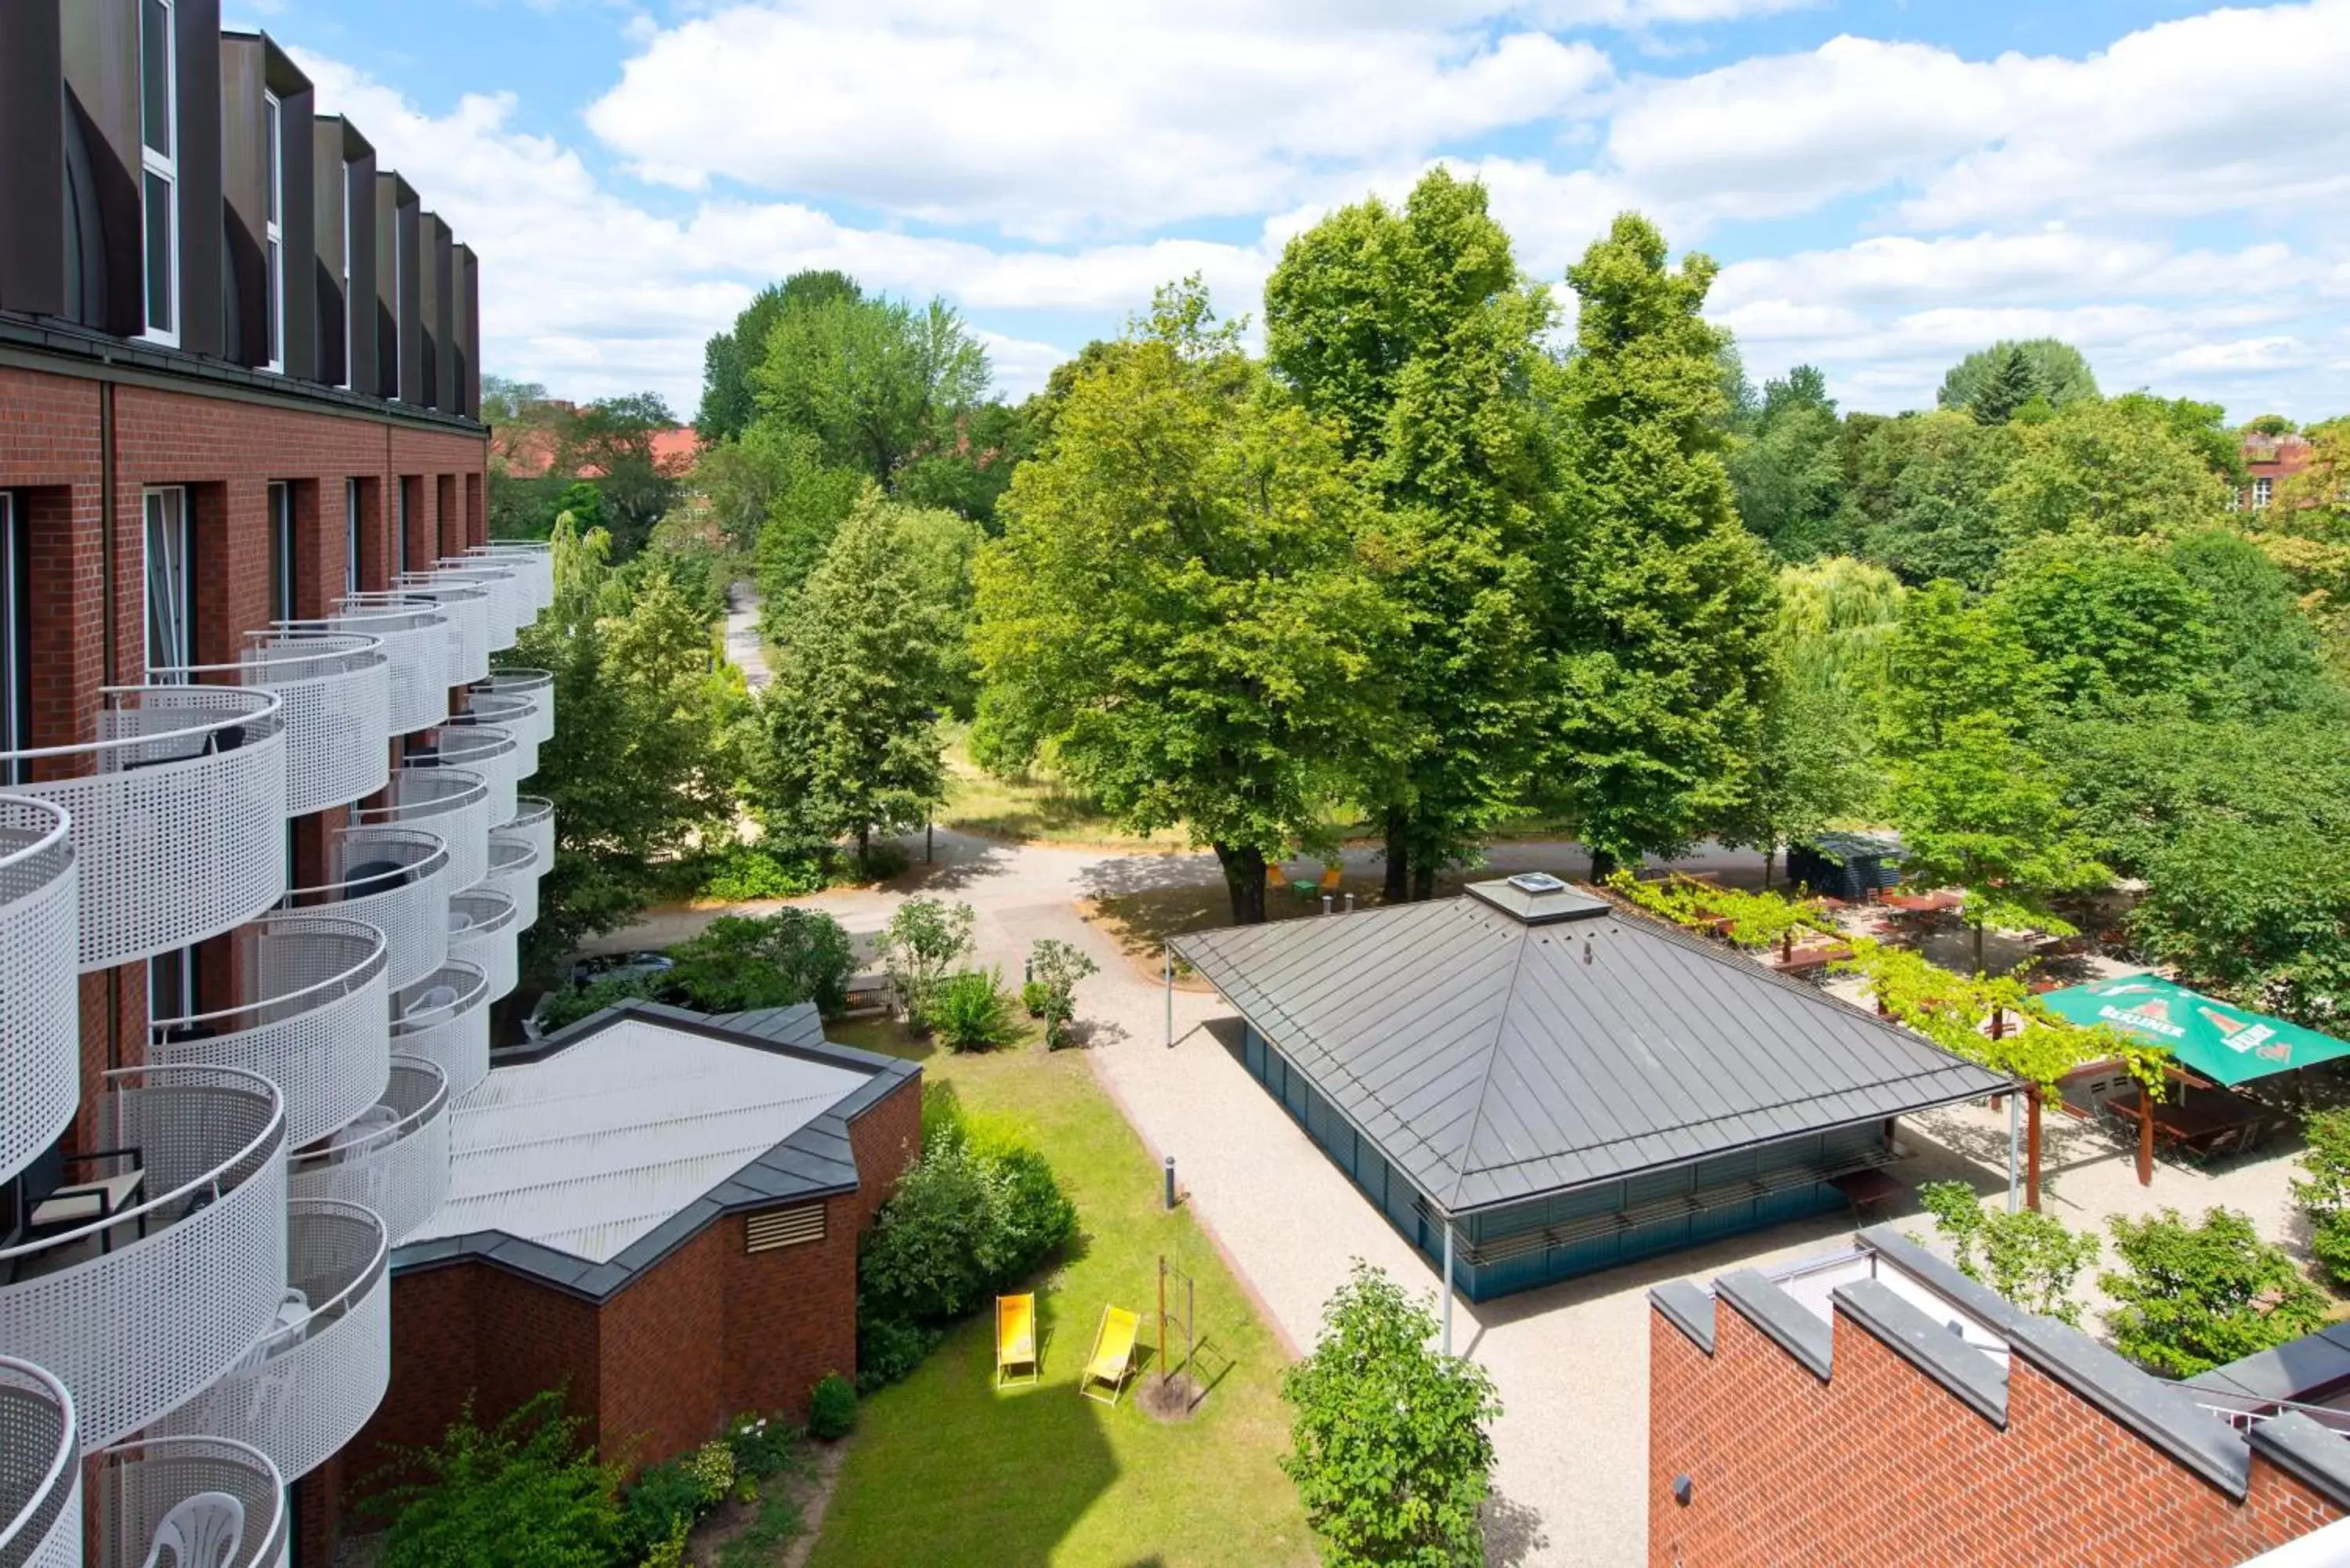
{"type": "Point", "coordinates": [350, 535]}
{"type": "Point", "coordinates": [2262, 490]}
{"type": "Point", "coordinates": [171, 984]}
{"type": "Point", "coordinates": [281, 552]}
{"type": "Point", "coordinates": [158, 108]}
{"type": "Point", "coordinates": [273, 174]}
{"type": "Point", "coordinates": [16, 640]}
{"type": "Point", "coordinates": [401, 522]}
{"type": "Point", "coordinates": [350, 306]}
{"type": "Point", "coordinates": [170, 607]}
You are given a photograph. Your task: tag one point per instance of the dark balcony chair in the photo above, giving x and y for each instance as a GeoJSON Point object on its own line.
{"type": "Point", "coordinates": [374, 876]}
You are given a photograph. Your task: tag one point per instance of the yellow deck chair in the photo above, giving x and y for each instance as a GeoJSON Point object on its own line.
{"type": "Point", "coordinates": [1015, 1339]}
{"type": "Point", "coordinates": [1333, 878]}
{"type": "Point", "coordinates": [1113, 1353]}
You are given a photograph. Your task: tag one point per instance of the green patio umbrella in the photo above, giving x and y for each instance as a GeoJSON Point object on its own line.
{"type": "Point", "coordinates": [2209, 1038]}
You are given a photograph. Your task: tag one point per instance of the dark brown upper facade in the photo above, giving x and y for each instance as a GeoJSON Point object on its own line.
{"type": "Point", "coordinates": [171, 186]}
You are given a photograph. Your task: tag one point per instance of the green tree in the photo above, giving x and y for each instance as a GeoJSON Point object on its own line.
{"type": "Point", "coordinates": [1057, 967]}
{"type": "Point", "coordinates": [852, 738]}
{"type": "Point", "coordinates": [1176, 608]}
{"type": "Point", "coordinates": [806, 504]}
{"type": "Point", "coordinates": [524, 1493]}
{"type": "Point", "coordinates": [1788, 473]}
{"type": "Point", "coordinates": [2259, 914]}
{"type": "Point", "coordinates": [2028, 1257]}
{"type": "Point", "coordinates": [1414, 331]}
{"type": "Point", "coordinates": [2322, 1190]}
{"type": "Point", "coordinates": [611, 441]}
{"type": "Point", "coordinates": [875, 380]}
{"type": "Point", "coordinates": [738, 962]}
{"type": "Point", "coordinates": [1950, 660]}
{"type": "Point", "coordinates": [1390, 1444]}
{"type": "Point", "coordinates": [2006, 384]}
{"type": "Point", "coordinates": [2193, 1297]}
{"type": "Point", "coordinates": [1920, 488]}
{"type": "Point", "coordinates": [925, 938]}
{"type": "Point", "coordinates": [2106, 619]}
{"type": "Point", "coordinates": [1661, 604]}
{"type": "Point", "coordinates": [729, 403]}
{"type": "Point", "coordinates": [2055, 373]}
{"type": "Point", "coordinates": [2119, 468]}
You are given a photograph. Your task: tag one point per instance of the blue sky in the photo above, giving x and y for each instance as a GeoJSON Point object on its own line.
{"type": "Point", "coordinates": [1886, 185]}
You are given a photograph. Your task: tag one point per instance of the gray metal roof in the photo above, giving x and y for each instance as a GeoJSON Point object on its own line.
{"type": "Point", "coordinates": [1494, 1061]}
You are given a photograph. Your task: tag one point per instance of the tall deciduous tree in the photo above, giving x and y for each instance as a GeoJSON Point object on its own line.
{"type": "Point", "coordinates": [875, 380]}
{"type": "Point", "coordinates": [2055, 373]}
{"type": "Point", "coordinates": [1176, 608]}
{"type": "Point", "coordinates": [2121, 468]}
{"type": "Point", "coordinates": [729, 403]}
{"type": "Point", "coordinates": [611, 441]}
{"type": "Point", "coordinates": [853, 744]}
{"type": "Point", "coordinates": [1661, 606]}
{"type": "Point", "coordinates": [1413, 330]}
{"type": "Point", "coordinates": [1788, 471]}
{"type": "Point", "coordinates": [1921, 487]}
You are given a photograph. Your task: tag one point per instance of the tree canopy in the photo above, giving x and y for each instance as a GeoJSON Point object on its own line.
{"type": "Point", "coordinates": [2054, 372]}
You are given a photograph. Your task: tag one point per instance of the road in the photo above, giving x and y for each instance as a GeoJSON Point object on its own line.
{"type": "Point", "coordinates": [743, 648]}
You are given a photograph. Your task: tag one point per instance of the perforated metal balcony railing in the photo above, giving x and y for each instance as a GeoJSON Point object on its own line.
{"type": "Point", "coordinates": [413, 637]}
{"type": "Point", "coordinates": [161, 1484]}
{"type": "Point", "coordinates": [468, 609]}
{"type": "Point", "coordinates": [179, 815]}
{"type": "Point", "coordinates": [512, 716]}
{"type": "Point", "coordinates": [483, 749]}
{"type": "Point", "coordinates": [40, 1469]}
{"type": "Point", "coordinates": [321, 1371]}
{"type": "Point", "coordinates": [514, 872]}
{"type": "Point", "coordinates": [395, 878]}
{"type": "Point", "coordinates": [533, 823]}
{"type": "Point", "coordinates": [315, 1024]}
{"type": "Point", "coordinates": [534, 562]}
{"type": "Point", "coordinates": [40, 1014]}
{"type": "Point", "coordinates": [453, 802]}
{"type": "Point", "coordinates": [445, 1018]}
{"type": "Point", "coordinates": [536, 687]}
{"type": "Point", "coordinates": [483, 930]}
{"type": "Point", "coordinates": [336, 688]}
{"type": "Point", "coordinates": [509, 609]}
{"type": "Point", "coordinates": [140, 1309]}
{"type": "Point", "coordinates": [393, 1159]}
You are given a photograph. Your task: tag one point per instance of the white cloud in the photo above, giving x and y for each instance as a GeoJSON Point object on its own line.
{"type": "Point", "coordinates": [2281, 352]}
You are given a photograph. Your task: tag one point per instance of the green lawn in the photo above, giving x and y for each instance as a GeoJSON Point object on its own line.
{"type": "Point", "coordinates": [1037, 808]}
{"type": "Point", "coordinates": [946, 1471]}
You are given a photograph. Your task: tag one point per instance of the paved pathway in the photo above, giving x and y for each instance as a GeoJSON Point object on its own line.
{"type": "Point", "coordinates": [743, 648]}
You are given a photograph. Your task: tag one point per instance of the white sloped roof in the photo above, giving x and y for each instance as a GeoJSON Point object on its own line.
{"type": "Point", "coordinates": [589, 1149]}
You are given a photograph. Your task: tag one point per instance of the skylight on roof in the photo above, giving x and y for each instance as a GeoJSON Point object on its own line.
{"type": "Point", "coordinates": [1537, 882]}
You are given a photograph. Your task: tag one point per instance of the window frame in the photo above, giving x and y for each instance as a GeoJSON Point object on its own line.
{"type": "Point", "coordinates": [2263, 490]}
{"type": "Point", "coordinates": [185, 529]}
{"type": "Point", "coordinates": [273, 226]}
{"type": "Point", "coordinates": [16, 638]}
{"type": "Point", "coordinates": [351, 537]}
{"type": "Point", "coordinates": [350, 307]}
{"type": "Point", "coordinates": [164, 167]}
{"type": "Point", "coordinates": [284, 587]}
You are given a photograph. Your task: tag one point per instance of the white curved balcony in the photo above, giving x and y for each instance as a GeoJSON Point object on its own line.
{"type": "Point", "coordinates": [514, 871]}
{"type": "Point", "coordinates": [468, 610]}
{"type": "Point", "coordinates": [483, 749]}
{"type": "Point", "coordinates": [513, 715]}
{"type": "Point", "coordinates": [534, 822]}
{"type": "Point", "coordinates": [392, 1160]}
{"type": "Point", "coordinates": [445, 1018]}
{"type": "Point", "coordinates": [452, 803]}
{"type": "Point", "coordinates": [336, 688]}
{"type": "Point", "coordinates": [160, 1483]}
{"type": "Point", "coordinates": [314, 1022]}
{"type": "Point", "coordinates": [509, 611]}
{"type": "Point", "coordinates": [40, 1010]}
{"type": "Point", "coordinates": [534, 562]}
{"type": "Point", "coordinates": [413, 637]}
{"type": "Point", "coordinates": [179, 815]}
{"type": "Point", "coordinates": [483, 930]}
{"type": "Point", "coordinates": [321, 1371]}
{"type": "Point", "coordinates": [536, 687]}
{"type": "Point", "coordinates": [140, 1308]}
{"type": "Point", "coordinates": [40, 1469]}
{"type": "Point", "coordinates": [396, 879]}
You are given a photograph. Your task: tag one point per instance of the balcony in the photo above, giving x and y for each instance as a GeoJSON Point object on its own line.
{"type": "Point", "coordinates": [315, 1023]}
{"type": "Point", "coordinates": [445, 1018]}
{"type": "Point", "coordinates": [514, 715]}
{"type": "Point", "coordinates": [336, 688]}
{"type": "Point", "coordinates": [533, 563]}
{"type": "Point", "coordinates": [451, 803]}
{"type": "Point", "coordinates": [144, 1305]}
{"type": "Point", "coordinates": [40, 1470]}
{"type": "Point", "coordinates": [169, 1483]}
{"type": "Point", "coordinates": [514, 872]}
{"type": "Point", "coordinates": [534, 822]}
{"type": "Point", "coordinates": [509, 612]}
{"type": "Point", "coordinates": [396, 879]}
{"type": "Point", "coordinates": [318, 1375]}
{"type": "Point", "coordinates": [414, 638]}
{"type": "Point", "coordinates": [468, 609]}
{"type": "Point", "coordinates": [393, 1159]}
{"type": "Point", "coordinates": [178, 813]}
{"type": "Point", "coordinates": [40, 1014]}
{"type": "Point", "coordinates": [536, 687]}
{"type": "Point", "coordinates": [484, 932]}
{"type": "Point", "coordinates": [483, 749]}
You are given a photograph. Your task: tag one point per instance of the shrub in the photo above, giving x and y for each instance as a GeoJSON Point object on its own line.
{"type": "Point", "coordinates": [569, 1005]}
{"type": "Point", "coordinates": [1058, 966]}
{"type": "Point", "coordinates": [888, 1348]}
{"type": "Point", "coordinates": [920, 942]}
{"type": "Point", "coordinates": [741, 961]}
{"type": "Point", "coordinates": [970, 1011]}
{"type": "Point", "coordinates": [2323, 1194]}
{"type": "Point", "coordinates": [742, 872]}
{"type": "Point", "coordinates": [525, 1493]}
{"type": "Point", "coordinates": [666, 1498]}
{"type": "Point", "coordinates": [832, 1408]}
{"type": "Point", "coordinates": [1033, 997]}
{"type": "Point", "coordinates": [1389, 1446]}
{"type": "Point", "coordinates": [762, 1445]}
{"type": "Point", "coordinates": [2198, 1296]}
{"type": "Point", "coordinates": [670, 1553]}
{"type": "Point", "coordinates": [2027, 1257]}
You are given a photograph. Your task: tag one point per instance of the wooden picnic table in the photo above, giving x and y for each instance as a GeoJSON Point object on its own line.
{"type": "Point", "coordinates": [2201, 1123]}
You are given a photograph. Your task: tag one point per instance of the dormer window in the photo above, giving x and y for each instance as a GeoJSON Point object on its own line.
{"type": "Point", "coordinates": [158, 107]}
{"type": "Point", "coordinates": [273, 175]}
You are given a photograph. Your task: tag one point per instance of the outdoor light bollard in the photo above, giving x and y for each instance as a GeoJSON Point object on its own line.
{"type": "Point", "coordinates": [1350, 903]}
{"type": "Point", "coordinates": [1325, 903]}
{"type": "Point", "coordinates": [1171, 1181]}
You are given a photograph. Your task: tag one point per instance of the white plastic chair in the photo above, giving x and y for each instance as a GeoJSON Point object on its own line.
{"type": "Point", "coordinates": [433, 1000]}
{"type": "Point", "coordinates": [201, 1532]}
{"type": "Point", "coordinates": [370, 1130]}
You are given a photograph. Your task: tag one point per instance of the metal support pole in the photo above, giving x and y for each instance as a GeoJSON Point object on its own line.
{"type": "Point", "coordinates": [1448, 1284]}
{"type": "Point", "coordinates": [2015, 1151]}
{"type": "Point", "coordinates": [1165, 1371]}
{"type": "Point", "coordinates": [1171, 1181]}
{"type": "Point", "coordinates": [1167, 957]}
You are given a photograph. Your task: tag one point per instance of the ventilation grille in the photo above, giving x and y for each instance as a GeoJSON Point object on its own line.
{"type": "Point", "coordinates": [784, 1228]}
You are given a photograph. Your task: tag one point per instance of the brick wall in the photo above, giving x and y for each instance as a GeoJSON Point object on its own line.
{"type": "Point", "coordinates": [1880, 1463]}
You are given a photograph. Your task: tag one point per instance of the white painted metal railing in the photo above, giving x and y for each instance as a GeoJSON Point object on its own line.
{"type": "Point", "coordinates": [395, 878]}
{"type": "Point", "coordinates": [534, 822]}
{"type": "Point", "coordinates": [40, 1014]}
{"type": "Point", "coordinates": [445, 1018]}
{"type": "Point", "coordinates": [483, 930]}
{"type": "Point", "coordinates": [177, 811]}
{"type": "Point", "coordinates": [536, 687]}
{"type": "Point", "coordinates": [40, 1469]}
{"type": "Point", "coordinates": [513, 716]}
{"type": "Point", "coordinates": [336, 688]}
{"type": "Point", "coordinates": [140, 1310]}
{"type": "Point", "coordinates": [510, 610]}
{"type": "Point", "coordinates": [316, 1025]}
{"type": "Point", "coordinates": [534, 561]}
{"type": "Point", "coordinates": [453, 802]}
{"type": "Point", "coordinates": [514, 872]}
{"type": "Point", "coordinates": [316, 1377]}
{"type": "Point", "coordinates": [140, 1483]}
{"type": "Point", "coordinates": [393, 1159]}
{"type": "Point", "coordinates": [415, 636]}
{"type": "Point", "coordinates": [483, 749]}
{"type": "Point", "coordinates": [468, 609]}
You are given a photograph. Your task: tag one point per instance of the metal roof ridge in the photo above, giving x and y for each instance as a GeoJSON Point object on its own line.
{"type": "Point", "coordinates": [1493, 1054]}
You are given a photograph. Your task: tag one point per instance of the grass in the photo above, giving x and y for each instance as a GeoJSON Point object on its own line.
{"type": "Point", "coordinates": [1035, 808]}
{"type": "Point", "coordinates": [947, 1471]}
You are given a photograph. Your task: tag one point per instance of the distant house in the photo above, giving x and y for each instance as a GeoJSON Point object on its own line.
{"type": "Point", "coordinates": [530, 451]}
{"type": "Point", "coordinates": [2269, 462]}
